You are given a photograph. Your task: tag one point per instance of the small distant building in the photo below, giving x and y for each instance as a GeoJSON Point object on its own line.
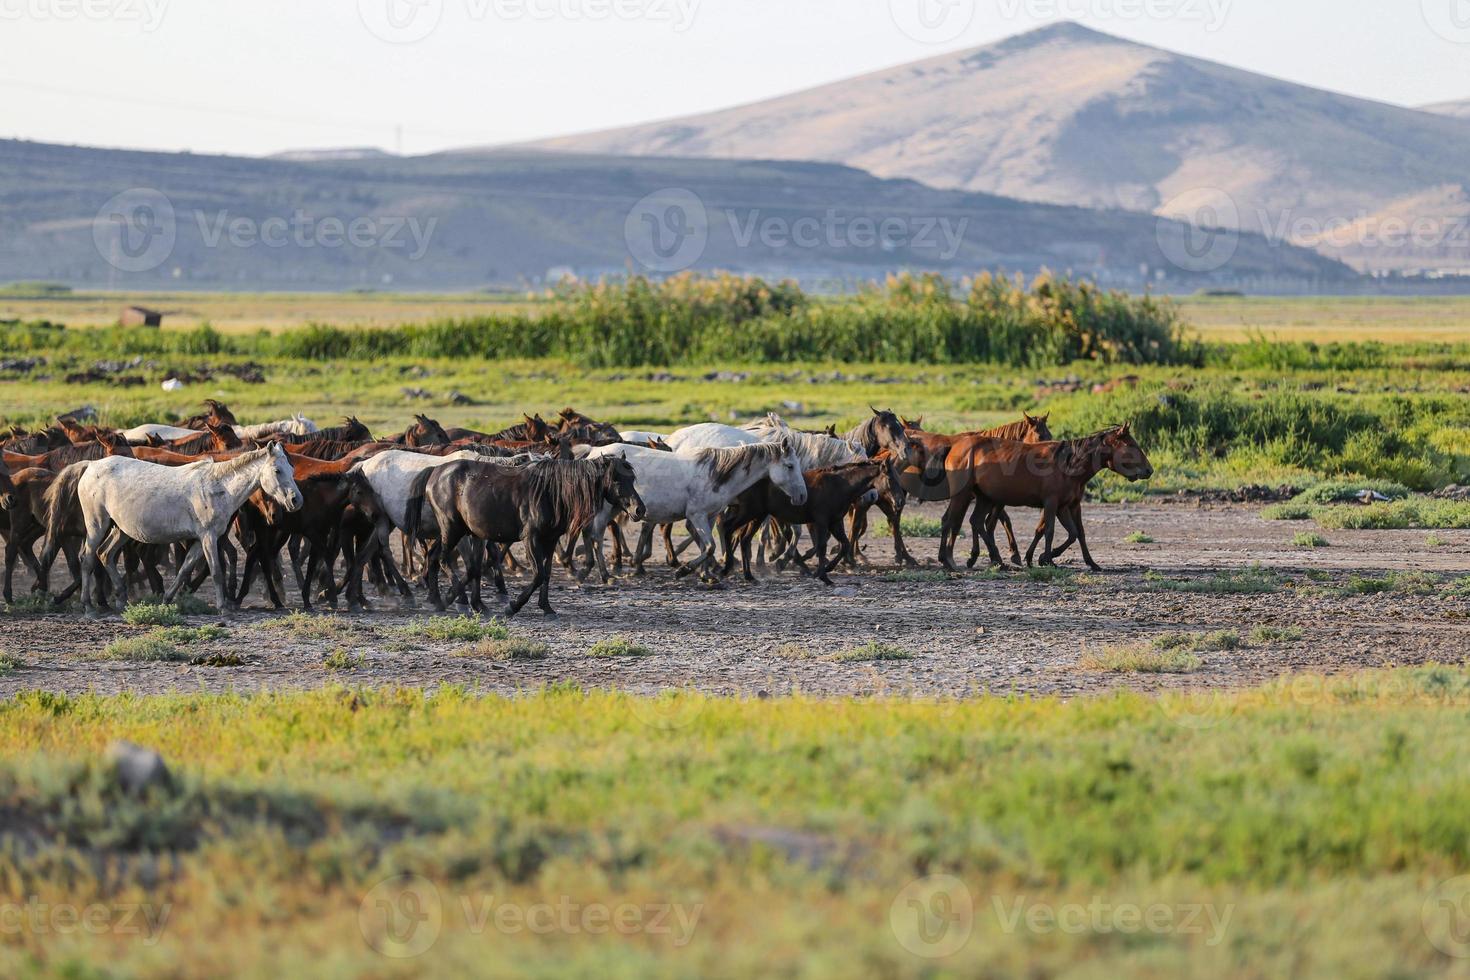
{"type": "Point", "coordinates": [140, 316]}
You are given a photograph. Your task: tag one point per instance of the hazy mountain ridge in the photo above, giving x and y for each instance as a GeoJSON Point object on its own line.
{"type": "Point", "coordinates": [1068, 115]}
{"type": "Point", "coordinates": [471, 220]}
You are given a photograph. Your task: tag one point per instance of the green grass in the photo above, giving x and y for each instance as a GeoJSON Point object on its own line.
{"type": "Point", "coordinates": [1434, 541]}
{"type": "Point", "coordinates": [1140, 658]}
{"type": "Point", "coordinates": [1412, 583]}
{"type": "Point", "coordinates": [31, 604]}
{"type": "Point", "coordinates": [1244, 581]}
{"type": "Point", "coordinates": [1199, 642]}
{"type": "Point", "coordinates": [306, 627]}
{"type": "Point", "coordinates": [1309, 539]}
{"type": "Point", "coordinates": [185, 635]}
{"type": "Point", "coordinates": [455, 629]}
{"type": "Point", "coordinates": [151, 647]}
{"type": "Point", "coordinates": [10, 662]}
{"type": "Point", "coordinates": [152, 614]}
{"type": "Point", "coordinates": [506, 649]}
{"type": "Point", "coordinates": [871, 653]}
{"type": "Point", "coordinates": [1399, 515]}
{"type": "Point", "coordinates": [618, 646]}
{"type": "Point", "coordinates": [1323, 825]}
{"type": "Point", "coordinates": [1337, 492]}
{"type": "Point", "coordinates": [342, 659]}
{"type": "Point", "coordinates": [916, 575]}
{"type": "Point", "coordinates": [1138, 537]}
{"type": "Point", "coordinates": [1276, 634]}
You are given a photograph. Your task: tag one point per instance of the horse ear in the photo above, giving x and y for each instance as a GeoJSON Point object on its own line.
{"type": "Point", "coordinates": [1123, 431]}
{"type": "Point", "coordinates": [1027, 416]}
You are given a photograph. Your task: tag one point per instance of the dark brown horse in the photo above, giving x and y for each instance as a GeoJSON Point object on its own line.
{"type": "Point", "coordinates": [351, 430]}
{"type": "Point", "coordinates": [1052, 477]}
{"type": "Point", "coordinates": [500, 504]}
{"type": "Point", "coordinates": [215, 413]}
{"type": "Point", "coordinates": [424, 432]}
{"type": "Point", "coordinates": [831, 492]}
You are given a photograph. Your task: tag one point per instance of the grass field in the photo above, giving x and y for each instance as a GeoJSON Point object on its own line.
{"type": "Point", "coordinates": [1222, 319]}
{"type": "Point", "coordinates": [1315, 828]}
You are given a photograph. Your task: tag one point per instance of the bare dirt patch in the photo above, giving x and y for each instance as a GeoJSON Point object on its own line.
{"type": "Point", "coordinates": [966, 634]}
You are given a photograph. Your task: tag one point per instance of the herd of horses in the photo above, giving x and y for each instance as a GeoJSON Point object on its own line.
{"type": "Point", "coordinates": [204, 492]}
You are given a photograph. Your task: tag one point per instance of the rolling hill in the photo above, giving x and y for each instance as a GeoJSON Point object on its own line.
{"type": "Point", "coordinates": [1459, 109]}
{"type": "Point", "coordinates": [1068, 115]}
{"type": "Point", "coordinates": [463, 221]}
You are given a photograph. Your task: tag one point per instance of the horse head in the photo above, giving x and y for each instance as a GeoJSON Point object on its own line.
{"type": "Point", "coordinates": [278, 479]}
{"type": "Point", "coordinates": [784, 471]}
{"type": "Point", "coordinates": [1039, 432]}
{"type": "Point", "coordinates": [621, 488]}
{"type": "Point", "coordinates": [1124, 456]}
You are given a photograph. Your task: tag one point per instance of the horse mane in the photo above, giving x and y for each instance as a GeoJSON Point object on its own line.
{"type": "Point", "coordinates": [571, 487]}
{"type": "Point", "coordinates": [225, 467]}
{"type": "Point", "coordinates": [724, 464]}
{"type": "Point", "coordinates": [1011, 432]}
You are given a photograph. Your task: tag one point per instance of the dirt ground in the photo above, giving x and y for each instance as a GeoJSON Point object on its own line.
{"type": "Point", "coordinates": [967, 633]}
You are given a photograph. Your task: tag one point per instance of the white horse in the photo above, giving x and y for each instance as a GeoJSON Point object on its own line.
{"type": "Point", "coordinates": [296, 425]}
{"type": "Point", "coordinates": [814, 449]}
{"type": "Point", "coordinates": [696, 487]}
{"type": "Point", "coordinates": [139, 434]}
{"type": "Point", "coordinates": [154, 504]}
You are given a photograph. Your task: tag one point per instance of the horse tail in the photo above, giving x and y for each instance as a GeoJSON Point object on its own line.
{"type": "Point", "coordinates": [417, 490]}
{"type": "Point", "coordinates": [62, 503]}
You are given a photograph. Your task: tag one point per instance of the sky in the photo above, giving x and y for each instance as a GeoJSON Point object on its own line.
{"type": "Point", "coordinates": [260, 76]}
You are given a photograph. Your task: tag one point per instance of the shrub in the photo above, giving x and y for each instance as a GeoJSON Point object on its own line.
{"type": "Point", "coordinates": [1308, 539]}
{"type": "Point", "coordinates": [152, 614]}
{"type": "Point", "coordinates": [10, 663]}
{"type": "Point", "coordinates": [1138, 537]}
{"type": "Point", "coordinates": [1141, 658]}
{"type": "Point", "coordinates": [461, 629]}
{"type": "Point", "coordinates": [871, 652]}
{"type": "Point", "coordinates": [149, 648]}
{"type": "Point", "coordinates": [509, 648]}
{"type": "Point", "coordinates": [618, 646]}
{"type": "Point", "coordinates": [1276, 634]}
{"type": "Point", "coordinates": [1254, 579]}
{"type": "Point", "coordinates": [341, 659]}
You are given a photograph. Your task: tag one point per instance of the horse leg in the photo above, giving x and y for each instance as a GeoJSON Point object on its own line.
{"type": "Point", "coordinates": [820, 534]}
{"type": "Point", "coordinates": [70, 551]}
{"type": "Point", "coordinates": [210, 543]}
{"type": "Point", "coordinates": [949, 531]}
{"type": "Point", "coordinates": [859, 527]}
{"type": "Point", "coordinates": [644, 550]}
{"type": "Point", "coordinates": [1049, 530]}
{"type": "Point", "coordinates": [541, 563]}
{"type": "Point", "coordinates": [108, 555]}
{"type": "Point", "coordinates": [620, 546]}
{"type": "Point", "coordinates": [91, 566]}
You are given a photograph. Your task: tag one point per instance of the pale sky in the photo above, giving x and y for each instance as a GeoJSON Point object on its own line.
{"type": "Point", "coordinates": [259, 76]}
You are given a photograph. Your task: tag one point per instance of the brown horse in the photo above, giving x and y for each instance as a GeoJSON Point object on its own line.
{"type": "Point", "coordinates": [936, 457]}
{"type": "Point", "coordinates": [216, 438]}
{"type": "Point", "coordinates": [1052, 477]}
{"type": "Point", "coordinates": [424, 432]}
{"type": "Point", "coordinates": [217, 414]}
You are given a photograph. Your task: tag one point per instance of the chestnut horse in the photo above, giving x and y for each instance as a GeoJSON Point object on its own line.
{"type": "Point", "coordinates": [1050, 476]}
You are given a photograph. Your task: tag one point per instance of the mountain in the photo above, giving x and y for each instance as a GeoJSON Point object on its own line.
{"type": "Point", "coordinates": [1460, 110]}
{"type": "Point", "coordinates": [1068, 115]}
{"type": "Point", "coordinates": [93, 217]}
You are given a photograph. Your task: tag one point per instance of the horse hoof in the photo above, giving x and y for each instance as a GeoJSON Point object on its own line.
{"type": "Point", "coordinates": [550, 614]}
